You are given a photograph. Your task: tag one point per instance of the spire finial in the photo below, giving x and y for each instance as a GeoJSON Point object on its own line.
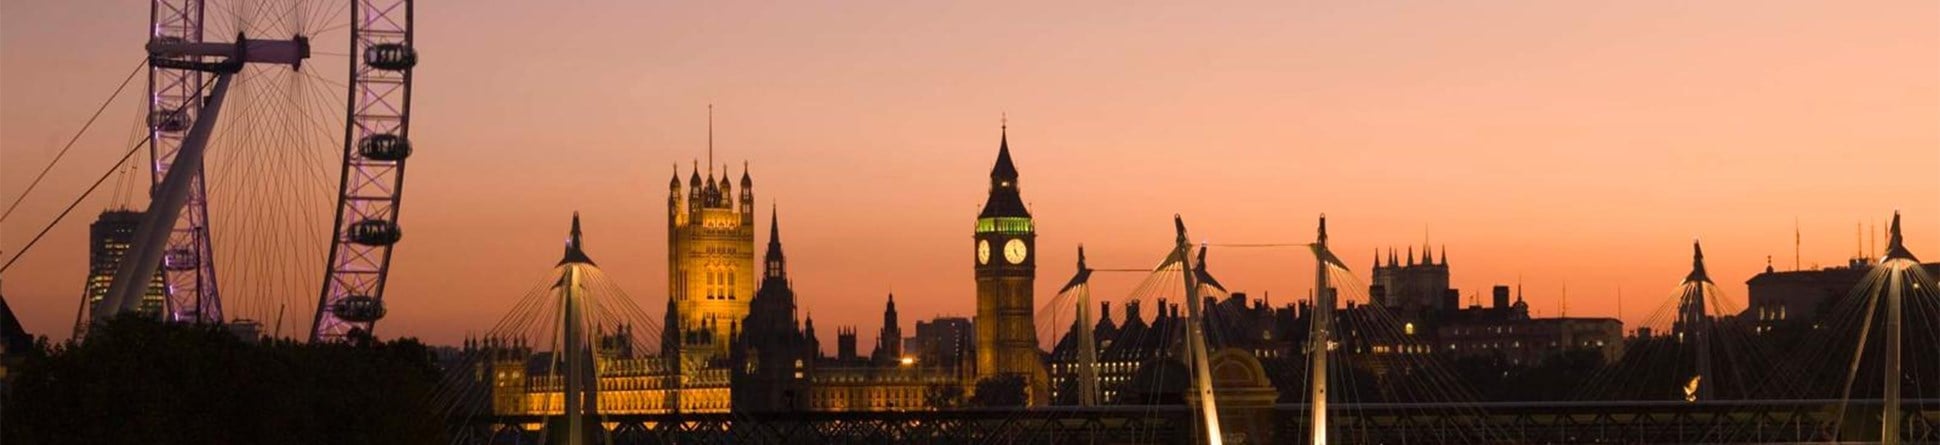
{"type": "Point", "coordinates": [774, 223]}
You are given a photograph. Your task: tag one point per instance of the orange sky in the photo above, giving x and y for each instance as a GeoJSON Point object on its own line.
{"type": "Point", "coordinates": [1563, 142]}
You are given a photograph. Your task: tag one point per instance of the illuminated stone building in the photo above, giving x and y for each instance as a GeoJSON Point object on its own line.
{"type": "Point", "coordinates": [710, 265]}
{"type": "Point", "coordinates": [732, 343]}
{"type": "Point", "coordinates": [1004, 245]}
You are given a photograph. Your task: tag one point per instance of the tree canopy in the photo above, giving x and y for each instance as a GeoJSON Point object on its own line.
{"type": "Point", "coordinates": [134, 380]}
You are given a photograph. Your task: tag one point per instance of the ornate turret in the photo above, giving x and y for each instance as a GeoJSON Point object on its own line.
{"type": "Point", "coordinates": [747, 195]}
{"type": "Point", "coordinates": [889, 342]}
{"type": "Point", "coordinates": [727, 190]}
{"type": "Point", "coordinates": [673, 198]}
{"type": "Point", "coordinates": [694, 191]}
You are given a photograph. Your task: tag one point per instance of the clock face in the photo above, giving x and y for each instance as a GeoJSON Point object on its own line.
{"type": "Point", "coordinates": [983, 252]}
{"type": "Point", "coordinates": [1015, 251]}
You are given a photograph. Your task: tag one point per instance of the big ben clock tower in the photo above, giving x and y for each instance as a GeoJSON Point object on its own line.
{"type": "Point", "coordinates": [1005, 246]}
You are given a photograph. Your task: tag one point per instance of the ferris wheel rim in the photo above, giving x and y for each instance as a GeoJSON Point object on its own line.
{"type": "Point", "coordinates": [374, 147]}
{"type": "Point", "coordinates": [352, 295]}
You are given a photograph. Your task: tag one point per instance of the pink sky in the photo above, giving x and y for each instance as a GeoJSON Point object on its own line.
{"type": "Point", "coordinates": [1563, 142]}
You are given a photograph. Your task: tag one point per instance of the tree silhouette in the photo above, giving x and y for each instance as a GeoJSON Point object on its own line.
{"type": "Point", "coordinates": [134, 380]}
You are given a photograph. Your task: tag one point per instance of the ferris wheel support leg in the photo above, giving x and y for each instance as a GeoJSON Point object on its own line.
{"type": "Point", "coordinates": [164, 206]}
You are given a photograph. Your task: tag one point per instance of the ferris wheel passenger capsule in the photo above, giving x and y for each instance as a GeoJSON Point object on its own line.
{"type": "Point", "coordinates": [168, 121]}
{"type": "Point", "coordinates": [179, 259]}
{"type": "Point", "coordinates": [375, 232]}
{"type": "Point", "coordinates": [390, 56]}
{"type": "Point", "coordinates": [359, 309]}
{"type": "Point", "coordinates": [384, 147]}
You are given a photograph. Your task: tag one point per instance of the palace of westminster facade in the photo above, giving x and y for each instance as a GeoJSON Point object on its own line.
{"type": "Point", "coordinates": [732, 339]}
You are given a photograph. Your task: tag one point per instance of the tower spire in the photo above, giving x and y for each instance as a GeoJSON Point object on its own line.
{"type": "Point", "coordinates": [1004, 200]}
{"type": "Point", "coordinates": [777, 262]}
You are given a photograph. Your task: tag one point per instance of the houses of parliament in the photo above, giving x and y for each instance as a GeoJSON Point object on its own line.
{"type": "Point", "coordinates": [733, 337]}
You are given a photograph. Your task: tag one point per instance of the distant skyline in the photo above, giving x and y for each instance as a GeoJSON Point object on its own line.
{"type": "Point", "coordinates": [1578, 144]}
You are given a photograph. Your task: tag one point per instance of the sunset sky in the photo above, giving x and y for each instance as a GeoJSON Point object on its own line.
{"type": "Point", "coordinates": [1566, 143]}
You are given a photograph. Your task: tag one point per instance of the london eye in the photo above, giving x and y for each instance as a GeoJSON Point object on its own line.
{"type": "Point", "coordinates": [250, 104]}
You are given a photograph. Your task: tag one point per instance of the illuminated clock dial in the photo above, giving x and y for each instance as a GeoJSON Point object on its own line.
{"type": "Point", "coordinates": [1015, 251]}
{"type": "Point", "coordinates": [983, 252]}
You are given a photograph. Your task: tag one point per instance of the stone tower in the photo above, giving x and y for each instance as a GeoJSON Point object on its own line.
{"type": "Point", "coordinates": [771, 356]}
{"type": "Point", "coordinates": [710, 265]}
{"type": "Point", "coordinates": [1005, 256]}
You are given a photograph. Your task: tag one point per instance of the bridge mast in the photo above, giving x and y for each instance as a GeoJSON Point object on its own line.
{"type": "Point", "coordinates": [1698, 323]}
{"type": "Point", "coordinates": [581, 390]}
{"type": "Point", "coordinates": [1320, 335]}
{"type": "Point", "coordinates": [1087, 345]}
{"type": "Point", "coordinates": [1898, 259]}
{"type": "Point", "coordinates": [569, 293]}
{"type": "Point", "coordinates": [1196, 336]}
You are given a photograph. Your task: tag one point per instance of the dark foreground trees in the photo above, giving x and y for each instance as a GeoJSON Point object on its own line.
{"type": "Point", "coordinates": [141, 381]}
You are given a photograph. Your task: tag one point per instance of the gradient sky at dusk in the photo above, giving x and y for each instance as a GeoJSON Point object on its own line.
{"type": "Point", "coordinates": [1563, 142]}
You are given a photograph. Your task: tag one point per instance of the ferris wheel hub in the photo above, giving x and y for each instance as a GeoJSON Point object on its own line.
{"type": "Point", "coordinates": [174, 52]}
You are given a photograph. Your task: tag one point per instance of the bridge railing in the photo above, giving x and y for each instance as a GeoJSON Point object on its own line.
{"type": "Point", "coordinates": [1740, 421]}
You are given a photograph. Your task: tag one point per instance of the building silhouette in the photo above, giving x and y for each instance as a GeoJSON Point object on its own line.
{"type": "Point", "coordinates": [1800, 297]}
{"type": "Point", "coordinates": [1412, 287]}
{"type": "Point", "coordinates": [109, 238]}
{"type": "Point", "coordinates": [772, 356]}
